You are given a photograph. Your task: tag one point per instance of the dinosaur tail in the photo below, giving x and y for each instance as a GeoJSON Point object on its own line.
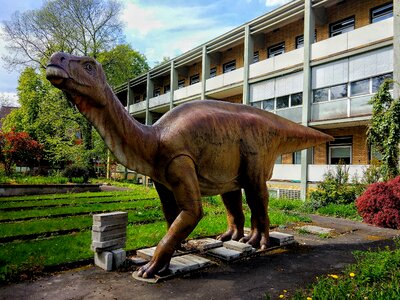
{"type": "Point", "coordinates": [299, 137]}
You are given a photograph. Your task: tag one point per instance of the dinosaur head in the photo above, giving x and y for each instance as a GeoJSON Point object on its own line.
{"type": "Point", "coordinates": [82, 78]}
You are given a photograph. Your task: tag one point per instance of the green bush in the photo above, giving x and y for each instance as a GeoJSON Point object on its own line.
{"type": "Point", "coordinates": [74, 172]}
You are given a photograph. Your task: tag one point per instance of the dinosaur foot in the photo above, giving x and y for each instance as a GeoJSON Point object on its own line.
{"type": "Point", "coordinates": [256, 239]}
{"type": "Point", "coordinates": [231, 234]}
{"type": "Point", "coordinates": [153, 268]}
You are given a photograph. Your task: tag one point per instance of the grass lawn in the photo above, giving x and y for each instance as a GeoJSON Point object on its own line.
{"type": "Point", "coordinates": [50, 230]}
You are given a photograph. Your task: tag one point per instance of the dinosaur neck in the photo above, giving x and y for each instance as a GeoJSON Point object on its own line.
{"type": "Point", "coordinates": [133, 144]}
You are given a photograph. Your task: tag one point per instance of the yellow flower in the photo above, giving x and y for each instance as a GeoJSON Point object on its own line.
{"type": "Point", "coordinates": [352, 274]}
{"type": "Point", "coordinates": [285, 291]}
{"type": "Point", "coordinates": [281, 296]}
{"type": "Point", "coordinates": [333, 276]}
{"type": "Point", "coordinates": [309, 298]}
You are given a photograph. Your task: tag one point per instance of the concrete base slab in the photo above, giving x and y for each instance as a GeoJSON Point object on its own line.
{"type": "Point", "coordinates": [315, 229]}
{"type": "Point", "coordinates": [203, 244]}
{"type": "Point", "coordinates": [280, 239]}
{"type": "Point", "coordinates": [138, 260]}
{"type": "Point", "coordinates": [148, 253]}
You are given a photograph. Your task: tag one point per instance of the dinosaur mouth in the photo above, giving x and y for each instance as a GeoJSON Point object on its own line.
{"type": "Point", "coordinates": [55, 74]}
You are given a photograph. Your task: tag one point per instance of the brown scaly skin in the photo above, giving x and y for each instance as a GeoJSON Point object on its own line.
{"type": "Point", "coordinates": [197, 149]}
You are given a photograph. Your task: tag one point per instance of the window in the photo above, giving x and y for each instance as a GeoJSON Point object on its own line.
{"type": "Point", "coordinates": [195, 79]}
{"type": "Point", "coordinates": [213, 72]}
{"type": "Point", "coordinates": [340, 150]}
{"type": "Point", "coordinates": [156, 92]}
{"type": "Point", "coordinates": [276, 50]}
{"type": "Point", "coordinates": [342, 26]}
{"type": "Point", "coordinates": [282, 102]}
{"type": "Point", "coordinates": [256, 57]}
{"type": "Point", "coordinates": [136, 99]}
{"type": "Point", "coordinates": [321, 95]}
{"type": "Point", "coordinates": [256, 104]}
{"type": "Point", "coordinates": [338, 91]}
{"type": "Point", "coordinates": [300, 40]}
{"type": "Point", "coordinates": [378, 80]}
{"type": "Point", "coordinates": [167, 88]}
{"type": "Point", "coordinates": [296, 99]}
{"type": "Point", "coordinates": [360, 87]}
{"type": "Point", "coordinates": [230, 66]}
{"type": "Point", "coordinates": [279, 160]}
{"type": "Point", "coordinates": [269, 104]}
{"type": "Point", "coordinates": [297, 157]}
{"type": "Point", "coordinates": [382, 12]}
{"type": "Point", "coordinates": [181, 83]}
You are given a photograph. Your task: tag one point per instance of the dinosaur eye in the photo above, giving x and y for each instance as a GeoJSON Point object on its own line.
{"type": "Point", "coordinates": [88, 67]}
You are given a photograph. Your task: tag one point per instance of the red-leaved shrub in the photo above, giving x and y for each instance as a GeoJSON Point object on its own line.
{"type": "Point", "coordinates": [380, 204]}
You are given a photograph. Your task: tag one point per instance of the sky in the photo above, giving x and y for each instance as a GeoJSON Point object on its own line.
{"type": "Point", "coordinates": [155, 28]}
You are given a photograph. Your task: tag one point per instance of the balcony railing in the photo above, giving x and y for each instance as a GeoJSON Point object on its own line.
{"type": "Point", "coordinates": [188, 91]}
{"type": "Point", "coordinates": [159, 100]}
{"type": "Point", "coordinates": [137, 107]}
{"type": "Point", "coordinates": [225, 79]}
{"type": "Point", "coordinates": [290, 172]}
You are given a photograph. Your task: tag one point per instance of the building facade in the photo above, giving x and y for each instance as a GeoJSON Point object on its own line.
{"type": "Point", "coordinates": [315, 62]}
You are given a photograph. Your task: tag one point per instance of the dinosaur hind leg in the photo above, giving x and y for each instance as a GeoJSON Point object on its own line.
{"type": "Point", "coordinates": [257, 199]}
{"type": "Point", "coordinates": [235, 216]}
{"type": "Point", "coordinates": [168, 203]}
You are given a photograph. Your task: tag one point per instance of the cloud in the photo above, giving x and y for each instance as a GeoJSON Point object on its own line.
{"type": "Point", "coordinates": [269, 3]}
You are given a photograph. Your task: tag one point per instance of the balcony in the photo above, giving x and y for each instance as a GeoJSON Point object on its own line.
{"type": "Point", "coordinates": [188, 91]}
{"type": "Point", "coordinates": [137, 107]}
{"type": "Point", "coordinates": [277, 63]}
{"type": "Point", "coordinates": [357, 38]}
{"type": "Point", "coordinates": [293, 114]}
{"type": "Point", "coordinates": [224, 80]}
{"type": "Point", "coordinates": [289, 172]}
{"type": "Point", "coordinates": [159, 100]}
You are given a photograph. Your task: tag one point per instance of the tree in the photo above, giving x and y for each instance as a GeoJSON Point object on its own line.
{"type": "Point", "coordinates": [82, 27]}
{"type": "Point", "coordinates": [18, 148]}
{"type": "Point", "coordinates": [384, 130]}
{"type": "Point", "coordinates": [122, 63]}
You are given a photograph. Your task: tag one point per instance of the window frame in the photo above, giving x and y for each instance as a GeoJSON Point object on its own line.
{"type": "Point", "coordinates": [341, 142]}
{"type": "Point", "coordinates": [213, 72]}
{"type": "Point", "coordinates": [181, 83]}
{"type": "Point", "coordinates": [273, 50]}
{"type": "Point", "coordinates": [336, 32]}
{"type": "Point", "coordinates": [385, 16]}
{"type": "Point", "coordinates": [229, 66]}
{"type": "Point", "coordinates": [195, 79]}
{"type": "Point", "coordinates": [256, 56]}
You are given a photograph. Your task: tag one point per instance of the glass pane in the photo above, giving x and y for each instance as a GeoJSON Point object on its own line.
{"type": "Point", "coordinates": [279, 160]}
{"type": "Point", "coordinates": [282, 102]}
{"type": "Point", "coordinates": [320, 95]}
{"type": "Point", "coordinates": [297, 158]}
{"type": "Point", "coordinates": [256, 104]}
{"type": "Point", "coordinates": [382, 13]}
{"type": "Point", "coordinates": [340, 155]}
{"type": "Point", "coordinates": [339, 91]}
{"type": "Point", "coordinates": [360, 87]}
{"type": "Point", "coordinates": [296, 99]}
{"type": "Point", "coordinates": [268, 104]}
{"type": "Point", "coordinates": [378, 80]}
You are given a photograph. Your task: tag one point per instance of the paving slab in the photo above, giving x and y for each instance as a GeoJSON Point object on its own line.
{"type": "Point", "coordinates": [225, 254]}
{"type": "Point", "coordinates": [104, 260]}
{"type": "Point", "coordinates": [203, 244]}
{"type": "Point", "coordinates": [99, 228]}
{"type": "Point", "coordinates": [238, 246]}
{"type": "Point", "coordinates": [103, 236]}
{"type": "Point", "coordinates": [108, 245]}
{"type": "Point", "coordinates": [316, 229]}
{"type": "Point", "coordinates": [112, 218]}
{"type": "Point", "coordinates": [148, 253]}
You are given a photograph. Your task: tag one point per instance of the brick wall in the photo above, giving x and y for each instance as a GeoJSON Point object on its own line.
{"type": "Point", "coordinates": [359, 149]}
{"type": "Point", "coordinates": [287, 34]}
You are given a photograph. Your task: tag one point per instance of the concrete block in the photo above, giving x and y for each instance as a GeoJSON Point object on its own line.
{"type": "Point", "coordinates": [187, 263]}
{"type": "Point", "coordinates": [138, 260]}
{"type": "Point", "coordinates": [119, 257]}
{"type": "Point", "coordinates": [280, 239]}
{"type": "Point", "coordinates": [108, 245]}
{"type": "Point", "coordinates": [203, 244]}
{"type": "Point", "coordinates": [104, 260]}
{"type": "Point", "coordinates": [146, 253]}
{"type": "Point", "coordinates": [104, 236]}
{"type": "Point", "coordinates": [238, 246]}
{"type": "Point", "coordinates": [225, 254]}
{"type": "Point", "coordinates": [113, 218]}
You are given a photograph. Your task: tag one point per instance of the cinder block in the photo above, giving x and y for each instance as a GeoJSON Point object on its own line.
{"type": "Point", "coordinates": [112, 218]}
{"type": "Point", "coordinates": [224, 253]}
{"type": "Point", "coordinates": [104, 260]}
{"type": "Point", "coordinates": [146, 253]}
{"type": "Point", "coordinates": [104, 228]}
{"type": "Point", "coordinates": [238, 246]}
{"type": "Point", "coordinates": [119, 257]}
{"type": "Point", "coordinates": [280, 239]}
{"type": "Point", "coordinates": [108, 245]}
{"type": "Point", "coordinates": [104, 236]}
{"type": "Point", "coordinates": [186, 263]}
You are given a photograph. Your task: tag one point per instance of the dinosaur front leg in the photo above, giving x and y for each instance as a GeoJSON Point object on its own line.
{"type": "Point", "coordinates": [183, 180]}
{"type": "Point", "coordinates": [235, 216]}
{"type": "Point", "coordinates": [257, 199]}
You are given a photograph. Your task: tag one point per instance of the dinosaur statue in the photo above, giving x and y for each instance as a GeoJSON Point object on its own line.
{"type": "Point", "coordinates": [200, 148]}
